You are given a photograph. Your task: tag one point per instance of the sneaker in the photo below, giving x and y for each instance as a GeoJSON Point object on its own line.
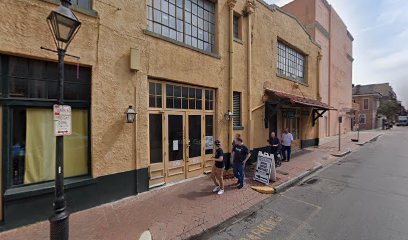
{"type": "Point", "coordinates": [216, 189]}
{"type": "Point", "coordinates": [236, 184]}
{"type": "Point", "coordinates": [221, 191]}
{"type": "Point", "coordinates": [239, 187]}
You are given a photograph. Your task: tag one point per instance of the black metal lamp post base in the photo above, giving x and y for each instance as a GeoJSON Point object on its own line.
{"type": "Point", "coordinates": [59, 226]}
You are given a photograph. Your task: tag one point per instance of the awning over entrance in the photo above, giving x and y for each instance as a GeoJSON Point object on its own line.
{"type": "Point", "coordinates": [301, 100]}
{"type": "Point", "coordinates": [319, 108]}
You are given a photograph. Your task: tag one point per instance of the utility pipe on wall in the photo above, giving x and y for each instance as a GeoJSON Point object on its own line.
{"type": "Point", "coordinates": [319, 58]}
{"type": "Point", "coordinates": [249, 10]}
{"type": "Point", "coordinates": [231, 5]}
{"type": "Point", "coordinates": [329, 114]}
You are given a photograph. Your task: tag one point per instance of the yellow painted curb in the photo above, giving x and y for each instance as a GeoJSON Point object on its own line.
{"type": "Point", "coordinates": [264, 189]}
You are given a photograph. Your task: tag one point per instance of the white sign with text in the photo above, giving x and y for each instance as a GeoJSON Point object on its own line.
{"type": "Point", "coordinates": [209, 142]}
{"type": "Point", "coordinates": [62, 120]}
{"type": "Point", "coordinates": [265, 168]}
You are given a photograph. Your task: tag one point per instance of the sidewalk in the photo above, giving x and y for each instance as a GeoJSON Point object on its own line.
{"type": "Point", "coordinates": [182, 210]}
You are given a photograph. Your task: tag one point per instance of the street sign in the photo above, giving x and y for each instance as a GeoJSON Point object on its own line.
{"type": "Point", "coordinates": [62, 120]}
{"type": "Point", "coordinates": [265, 168]}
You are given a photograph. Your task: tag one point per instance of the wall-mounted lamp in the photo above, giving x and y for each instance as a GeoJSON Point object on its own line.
{"type": "Point", "coordinates": [228, 116]}
{"type": "Point", "coordinates": [130, 114]}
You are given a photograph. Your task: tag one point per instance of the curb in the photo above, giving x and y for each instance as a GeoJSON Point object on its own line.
{"type": "Point", "coordinates": [342, 154]}
{"type": "Point", "coordinates": [370, 140]}
{"type": "Point", "coordinates": [282, 187]}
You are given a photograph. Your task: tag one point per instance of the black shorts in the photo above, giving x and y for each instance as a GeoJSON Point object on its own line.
{"type": "Point", "coordinates": [219, 165]}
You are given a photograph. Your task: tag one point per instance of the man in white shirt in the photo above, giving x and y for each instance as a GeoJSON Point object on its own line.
{"type": "Point", "coordinates": [287, 139]}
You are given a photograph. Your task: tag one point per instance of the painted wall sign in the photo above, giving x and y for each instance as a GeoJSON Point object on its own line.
{"type": "Point", "coordinates": [265, 168]}
{"type": "Point", "coordinates": [62, 120]}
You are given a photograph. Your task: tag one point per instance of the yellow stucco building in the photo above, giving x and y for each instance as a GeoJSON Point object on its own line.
{"type": "Point", "coordinates": [194, 71]}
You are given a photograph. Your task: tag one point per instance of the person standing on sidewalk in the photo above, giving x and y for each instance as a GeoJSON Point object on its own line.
{"type": "Point", "coordinates": [287, 139]}
{"type": "Point", "coordinates": [240, 155]}
{"type": "Point", "coordinates": [230, 163]}
{"type": "Point", "coordinates": [218, 169]}
{"type": "Point", "coordinates": [274, 145]}
{"type": "Point", "coordinates": [235, 140]}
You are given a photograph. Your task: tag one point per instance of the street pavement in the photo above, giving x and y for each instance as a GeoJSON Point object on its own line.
{"type": "Point", "coordinates": [362, 196]}
{"type": "Point", "coordinates": [187, 209]}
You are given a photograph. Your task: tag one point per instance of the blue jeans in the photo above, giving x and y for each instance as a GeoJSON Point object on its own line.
{"type": "Point", "coordinates": [286, 150]}
{"type": "Point", "coordinates": [239, 173]}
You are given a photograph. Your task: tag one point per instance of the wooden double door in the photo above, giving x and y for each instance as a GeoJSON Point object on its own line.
{"type": "Point", "coordinates": [180, 146]}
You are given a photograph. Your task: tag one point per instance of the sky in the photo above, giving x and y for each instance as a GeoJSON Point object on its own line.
{"type": "Point", "coordinates": [380, 47]}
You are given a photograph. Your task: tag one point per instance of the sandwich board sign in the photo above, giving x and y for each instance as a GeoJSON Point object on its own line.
{"type": "Point", "coordinates": [265, 168]}
{"type": "Point", "coordinates": [62, 120]}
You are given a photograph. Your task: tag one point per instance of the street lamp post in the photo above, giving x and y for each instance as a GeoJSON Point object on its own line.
{"type": "Point", "coordinates": [64, 25]}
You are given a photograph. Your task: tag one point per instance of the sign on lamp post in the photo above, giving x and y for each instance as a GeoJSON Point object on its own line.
{"type": "Point", "coordinates": [62, 120]}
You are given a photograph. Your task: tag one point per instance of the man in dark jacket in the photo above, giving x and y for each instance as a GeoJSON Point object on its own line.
{"type": "Point", "coordinates": [274, 143]}
{"type": "Point", "coordinates": [274, 146]}
{"type": "Point", "coordinates": [240, 155]}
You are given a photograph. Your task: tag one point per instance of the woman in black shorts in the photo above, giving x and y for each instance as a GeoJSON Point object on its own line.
{"type": "Point", "coordinates": [218, 169]}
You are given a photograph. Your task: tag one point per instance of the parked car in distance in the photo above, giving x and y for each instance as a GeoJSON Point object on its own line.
{"type": "Point", "coordinates": [402, 121]}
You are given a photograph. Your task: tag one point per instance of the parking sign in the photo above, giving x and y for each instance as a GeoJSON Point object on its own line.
{"type": "Point", "coordinates": [62, 120]}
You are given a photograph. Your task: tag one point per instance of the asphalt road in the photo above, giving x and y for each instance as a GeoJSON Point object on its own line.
{"type": "Point", "coordinates": [363, 196]}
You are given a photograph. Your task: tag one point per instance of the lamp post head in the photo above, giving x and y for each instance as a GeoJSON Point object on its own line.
{"type": "Point", "coordinates": [63, 24]}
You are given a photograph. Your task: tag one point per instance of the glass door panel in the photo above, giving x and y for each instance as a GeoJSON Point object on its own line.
{"type": "Point", "coordinates": [156, 167]}
{"type": "Point", "coordinates": [194, 133]}
{"type": "Point", "coordinates": [176, 163]}
{"type": "Point", "coordinates": [195, 146]}
{"type": "Point", "coordinates": [209, 143]}
{"type": "Point", "coordinates": [175, 129]}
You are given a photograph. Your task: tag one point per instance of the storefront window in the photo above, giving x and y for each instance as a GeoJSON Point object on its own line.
{"type": "Point", "coordinates": [34, 79]}
{"type": "Point", "coordinates": [29, 92]}
{"type": "Point", "coordinates": [33, 146]}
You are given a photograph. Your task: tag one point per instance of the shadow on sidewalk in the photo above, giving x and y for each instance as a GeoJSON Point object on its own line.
{"type": "Point", "coordinates": [197, 194]}
{"type": "Point", "coordinates": [300, 152]}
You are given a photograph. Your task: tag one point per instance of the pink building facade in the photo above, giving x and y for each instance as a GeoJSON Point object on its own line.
{"type": "Point", "coordinates": [327, 28]}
